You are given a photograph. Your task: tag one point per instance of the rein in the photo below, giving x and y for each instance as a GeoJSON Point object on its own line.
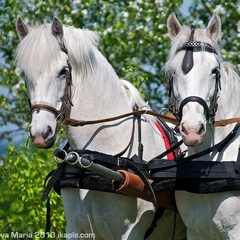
{"type": "Point", "coordinates": [168, 118]}
{"type": "Point", "coordinates": [77, 123]}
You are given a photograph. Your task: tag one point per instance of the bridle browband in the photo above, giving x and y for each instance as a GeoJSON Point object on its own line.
{"type": "Point", "coordinates": [197, 47]}
{"type": "Point", "coordinates": [187, 64]}
{"type": "Point", "coordinates": [59, 114]}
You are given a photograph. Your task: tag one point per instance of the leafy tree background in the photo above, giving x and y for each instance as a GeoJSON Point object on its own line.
{"type": "Point", "coordinates": [134, 40]}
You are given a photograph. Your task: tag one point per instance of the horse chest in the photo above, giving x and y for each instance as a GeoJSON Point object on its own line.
{"type": "Point", "coordinates": [210, 216]}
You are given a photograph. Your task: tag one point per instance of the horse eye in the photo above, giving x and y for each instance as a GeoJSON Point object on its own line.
{"type": "Point", "coordinates": [63, 72]}
{"type": "Point", "coordinates": [215, 71]}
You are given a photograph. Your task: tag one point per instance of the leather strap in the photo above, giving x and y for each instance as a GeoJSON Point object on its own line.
{"type": "Point", "coordinates": [224, 122]}
{"type": "Point", "coordinates": [77, 123]}
{"type": "Point", "coordinates": [194, 99]}
{"type": "Point", "coordinates": [40, 106]}
{"type": "Point", "coordinates": [153, 164]}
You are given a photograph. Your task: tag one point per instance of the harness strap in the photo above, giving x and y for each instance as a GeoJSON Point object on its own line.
{"type": "Point", "coordinates": [153, 164]}
{"type": "Point", "coordinates": [197, 47]}
{"type": "Point", "coordinates": [77, 123]}
{"type": "Point", "coordinates": [225, 122]}
{"type": "Point", "coordinates": [54, 175]}
{"type": "Point", "coordinates": [130, 141]}
{"type": "Point", "coordinates": [37, 107]}
{"type": "Point", "coordinates": [194, 99]}
{"type": "Point", "coordinates": [48, 212]}
{"type": "Point", "coordinates": [170, 150]}
{"type": "Point", "coordinates": [157, 216]}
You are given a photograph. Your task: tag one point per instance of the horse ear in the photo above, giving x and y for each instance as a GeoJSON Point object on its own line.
{"type": "Point", "coordinates": [22, 28]}
{"type": "Point", "coordinates": [214, 27]}
{"type": "Point", "coordinates": [174, 27]}
{"type": "Point", "coordinates": [57, 28]}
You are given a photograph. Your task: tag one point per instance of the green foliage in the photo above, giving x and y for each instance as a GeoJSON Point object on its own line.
{"type": "Point", "coordinates": [133, 38]}
{"type": "Point", "coordinates": [23, 172]}
{"type": "Point", "coordinates": [229, 12]}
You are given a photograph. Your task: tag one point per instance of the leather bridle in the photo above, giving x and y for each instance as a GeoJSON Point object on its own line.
{"type": "Point", "coordinates": [190, 47]}
{"type": "Point", "coordinates": [59, 114]}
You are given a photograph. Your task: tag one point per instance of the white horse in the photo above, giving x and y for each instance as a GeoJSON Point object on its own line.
{"type": "Point", "coordinates": [203, 87]}
{"type": "Point", "coordinates": [96, 93]}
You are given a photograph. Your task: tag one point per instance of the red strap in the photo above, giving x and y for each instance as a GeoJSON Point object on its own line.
{"type": "Point", "coordinates": [170, 156]}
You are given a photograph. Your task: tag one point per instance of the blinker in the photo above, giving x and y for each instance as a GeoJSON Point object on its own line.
{"type": "Point", "coordinates": [187, 63]}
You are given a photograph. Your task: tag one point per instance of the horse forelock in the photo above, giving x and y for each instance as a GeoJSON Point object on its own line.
{"type": "Point", "coordinates": [37, 50]}
{"type": "Point", "coordinates": [40, 47]}
{"type": "Point", "coordinates": [200, 35]}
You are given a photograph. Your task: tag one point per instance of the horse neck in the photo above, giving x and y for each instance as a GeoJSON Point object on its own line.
{"type": "Point", "coordinates": [97, 93]}
{"type": "Point", "coordinates": [228, 102]}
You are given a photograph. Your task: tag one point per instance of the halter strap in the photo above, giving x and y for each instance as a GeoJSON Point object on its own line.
{"type": "Point", "coordinates": [37, 107]}
{"type": "Point", "coordinates": [194, 99]}
{"type": "Point", "coordinates": [197, 47]}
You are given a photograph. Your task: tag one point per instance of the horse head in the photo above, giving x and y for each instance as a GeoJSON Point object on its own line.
{"type": "Point", "coordinates": [43, 60]}
{"type": "Point", "coordinates": [194, 68]}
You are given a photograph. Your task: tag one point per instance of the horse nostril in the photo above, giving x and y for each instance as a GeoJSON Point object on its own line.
{"type": "Point", "coordinates": [49, 130]}
{"type": "Point", "coordinates": [183, 129]}
{"type": "Point", "coordinates": [48, 133]}
{"type": "Point", "coordinates": [201, 129]}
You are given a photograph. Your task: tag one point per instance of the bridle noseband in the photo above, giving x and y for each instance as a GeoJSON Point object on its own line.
{"type": "Point", "coordinates": [59, 114]}
{"type": "Point", "coordinates": [187, 64]}
{"type": "Point", "coordinates": [194, 99]}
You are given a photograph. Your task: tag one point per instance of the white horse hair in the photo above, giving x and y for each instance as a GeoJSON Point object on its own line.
{"type": "Point", "coordinates": [97, 93]}
{"type": "Point", "coordinates": [215, 215]}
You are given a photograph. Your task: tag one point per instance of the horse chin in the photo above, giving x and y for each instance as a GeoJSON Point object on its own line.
{"type": "Point", "coordinates": [40, 142]}
{"type": "Point", "coordinates": [192, 140]}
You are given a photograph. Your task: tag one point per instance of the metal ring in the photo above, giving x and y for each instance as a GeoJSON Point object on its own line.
{"type": "Point", "coordinates": [82, 165]}
{"type": "Point", "coordinates": [63, 160]}
{"type": "Point", "coordinates": [76, 157]}
{"type": "Point", "coordinates": [59, 118]}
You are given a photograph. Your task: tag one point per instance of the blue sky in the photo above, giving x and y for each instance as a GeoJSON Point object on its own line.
{"type": "Point", "coordinates": [185, 7]}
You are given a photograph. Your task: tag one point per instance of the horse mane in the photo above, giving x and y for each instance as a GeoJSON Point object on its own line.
{"type": "Point", "coordinates": [80, 44]}
{"type": "Point", "coordinates": [230, 71]}
{"type": "Point", "coordinates": [183, 37]}
{"type": "Point", "coordinates": [136, 98]}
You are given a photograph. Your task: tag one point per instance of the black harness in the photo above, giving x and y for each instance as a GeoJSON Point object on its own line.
{"type": "Point", "coordinates": [187, 64]}
{"type": "Point", "coordinates": [186, 173]}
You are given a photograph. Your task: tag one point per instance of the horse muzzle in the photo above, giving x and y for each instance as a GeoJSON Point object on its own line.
{"type": "Point", "coordinates": [42, 130]}
{"type": "Point", "coordinates": [43, 140]}
{"type": "Point", "coordinates": [192, 135]}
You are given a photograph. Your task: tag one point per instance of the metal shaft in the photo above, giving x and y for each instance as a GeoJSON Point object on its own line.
{"type": "Point", "coordinates": [73, 157]}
